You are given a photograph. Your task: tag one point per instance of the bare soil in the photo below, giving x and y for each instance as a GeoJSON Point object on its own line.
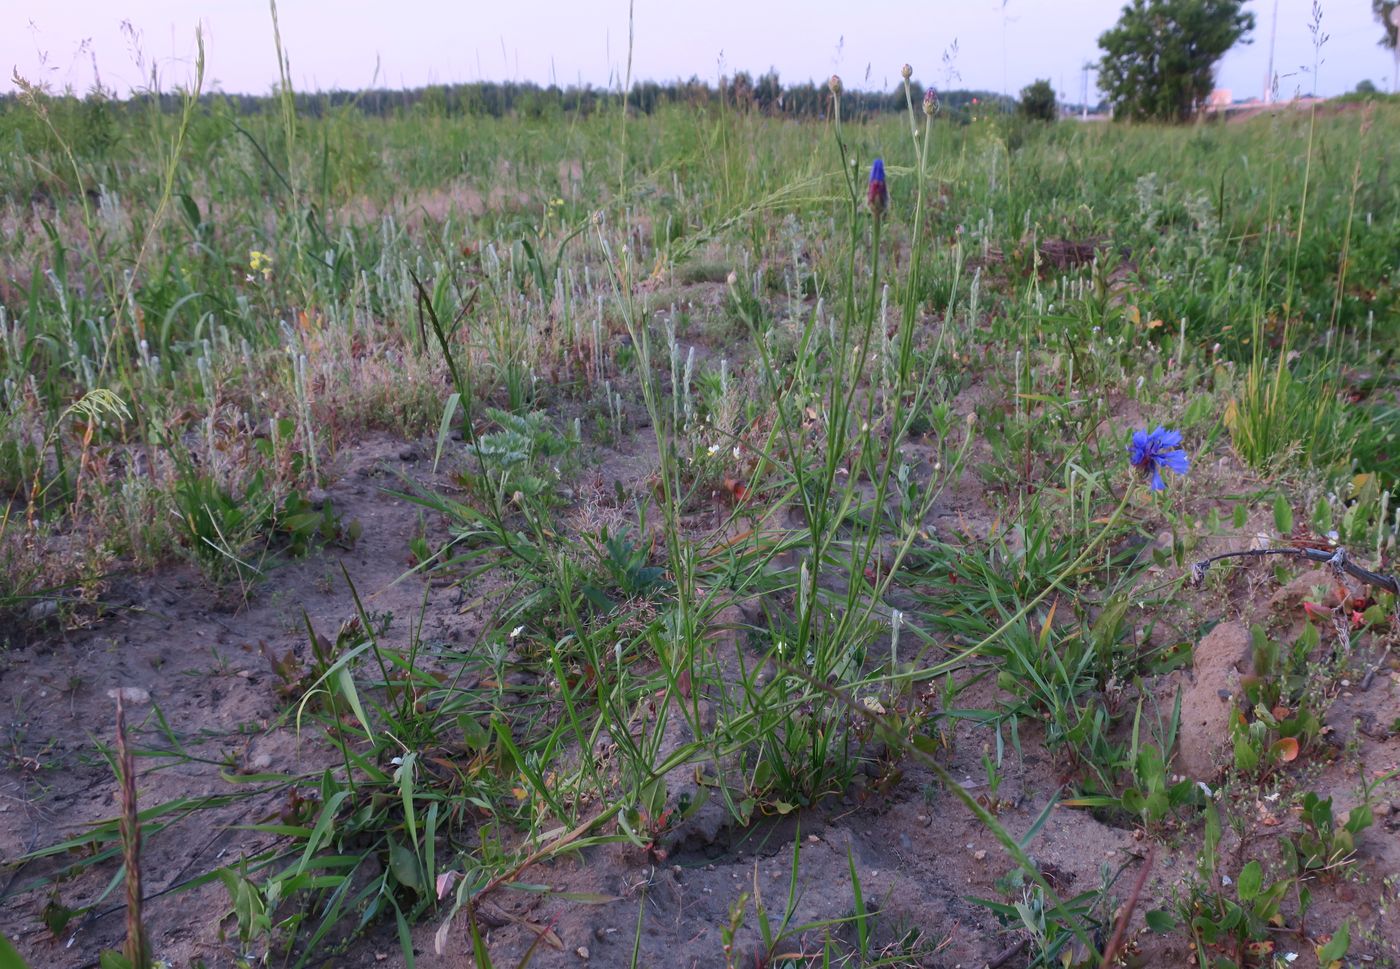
{"type": "Point", "coordinates": [179, 649]}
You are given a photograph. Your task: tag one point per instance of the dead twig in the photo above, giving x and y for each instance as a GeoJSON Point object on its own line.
{"type": "Point", "coordinates": [1009, 953]}
{"type": "Point", "coordinates": [1125, 916]}
{"type": "Point", "coordinates": [1337, 559]}
{"type": "Point", "coordinates": [136, 950]}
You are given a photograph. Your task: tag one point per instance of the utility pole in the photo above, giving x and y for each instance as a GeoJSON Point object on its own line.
{"type": "Point", "coordinates": [1084, 93]}
{"type": "Point", "coordinates": [1003, 48]}
{"type": "Point", "coordinates": [1269, 74]}
{"type": "Point", "coordinates": [1395, 49]}
{"type": "Point", "coordinates": [1005, 88]}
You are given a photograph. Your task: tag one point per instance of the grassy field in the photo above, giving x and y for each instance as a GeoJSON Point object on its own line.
{"type": "Point", "coordinates": [615, 539]}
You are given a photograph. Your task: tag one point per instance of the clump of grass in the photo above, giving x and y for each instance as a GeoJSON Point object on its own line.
{"type": "Point", "coordinates": [1279, 420]}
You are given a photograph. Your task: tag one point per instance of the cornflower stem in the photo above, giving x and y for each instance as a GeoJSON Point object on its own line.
{"type": "Point", "coordinates": [908, 318]}
{"type": "Point", "coordinates": [947, 666]}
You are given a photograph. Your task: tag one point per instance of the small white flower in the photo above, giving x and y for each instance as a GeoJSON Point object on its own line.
{"type": "Point", "coordinates": [737, 452]}
{"type": "Point", "coordinates": [712, 450]}
{"type": "Point", "coordinates": [516, 631]}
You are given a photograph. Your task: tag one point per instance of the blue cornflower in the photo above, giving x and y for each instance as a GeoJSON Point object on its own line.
{"type": "Point", "coordinates": [877, 198]}
{"type": "Point", "coordinates": [1151, 452]}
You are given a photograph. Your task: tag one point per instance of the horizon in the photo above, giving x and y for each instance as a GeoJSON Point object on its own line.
{"type": "Point", "coordinates": [1000, 48]}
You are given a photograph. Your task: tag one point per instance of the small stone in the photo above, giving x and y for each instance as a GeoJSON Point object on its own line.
{"type": "Point", "coordinates": [261, 762]}
{"type": "Point", "coordinates": [129, 694]}
{"type": "Point", "coordinates": [582, 951]}
{"type": "Point", "coordinates": [42, 610]}
{"type": "Point", "coordinates": [1383, 809]}
{"type": "Point", "coordinates": [979, 854]}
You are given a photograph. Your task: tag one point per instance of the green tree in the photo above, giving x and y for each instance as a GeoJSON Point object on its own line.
{"type": "Point", "coordinates": [1159, 59]}
{"type": "Point", "coordinates": [1385, 11]}
{"type": "Point", "coordinates": [1038, 101]}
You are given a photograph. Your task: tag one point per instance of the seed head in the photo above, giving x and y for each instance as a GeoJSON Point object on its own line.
{"type": "Point", "coordinates": [906, 72]}
{"type": "Point", "coordinates": [835, 84]}
{"type": "Point", "coordinates": [930, 102]}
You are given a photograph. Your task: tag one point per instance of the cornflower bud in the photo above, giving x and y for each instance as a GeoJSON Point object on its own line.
{"type": "Point", "coordinates": [878, 197]}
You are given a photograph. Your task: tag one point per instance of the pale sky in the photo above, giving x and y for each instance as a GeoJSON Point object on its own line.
{"type": "Point", "coordinates": [1001, 46]}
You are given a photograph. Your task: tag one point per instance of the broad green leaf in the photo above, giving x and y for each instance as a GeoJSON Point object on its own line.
{"type": "Point", "coordinates": [1250, 881]}
{"type": "Point", "coordinates": [1160, 920]}
{"type": "Point", "coordinates": [1336, 947]}
{"type": "Point", "coordinates": [9, 958]}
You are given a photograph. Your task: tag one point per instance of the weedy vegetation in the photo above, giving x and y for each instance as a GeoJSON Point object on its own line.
{"type": "Point", "coordinates": [823, 497]}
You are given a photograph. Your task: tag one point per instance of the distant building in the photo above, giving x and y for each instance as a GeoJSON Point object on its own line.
{"type": "Point", "coordinates": [1219, 99]}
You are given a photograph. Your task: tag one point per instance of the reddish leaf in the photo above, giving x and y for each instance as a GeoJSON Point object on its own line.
{"type": "Point", "coordinates": [1285, 749]}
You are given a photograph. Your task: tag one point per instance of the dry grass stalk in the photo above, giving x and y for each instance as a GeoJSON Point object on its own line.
{"type": "Point", "coordinates": [136, 950]}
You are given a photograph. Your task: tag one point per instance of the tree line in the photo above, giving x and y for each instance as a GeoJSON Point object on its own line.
{"type": "Point", "coordinates": [742, 92]}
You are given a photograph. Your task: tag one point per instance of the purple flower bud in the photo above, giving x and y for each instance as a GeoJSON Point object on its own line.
{"type": "Point", "coordinates": [878, 197]}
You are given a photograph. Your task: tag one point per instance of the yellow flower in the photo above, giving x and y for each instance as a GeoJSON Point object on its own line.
{"type": "Point", "coordinates": [260, 262]}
